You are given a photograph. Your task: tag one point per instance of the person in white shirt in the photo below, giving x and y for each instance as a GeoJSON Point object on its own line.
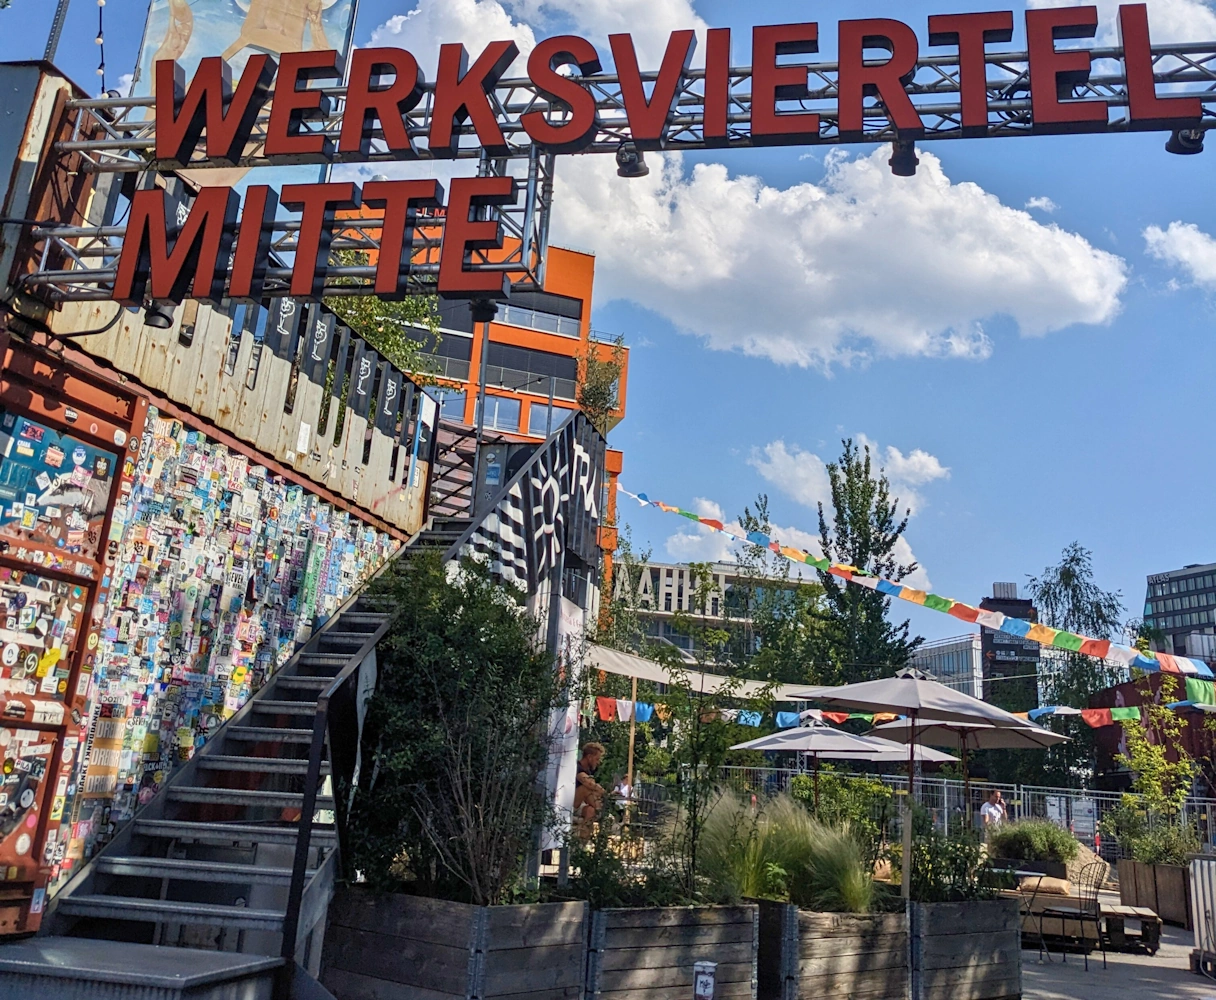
{"type": "Point", "coordinates": [992, 812]}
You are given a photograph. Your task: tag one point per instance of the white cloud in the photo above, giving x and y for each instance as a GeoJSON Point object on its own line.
{"type": "Point", "coordinates": [914, 469]}
{"type": "Point", "coordinates": [1187, 247]}
{"type": "Point", "coordinates": [649, 21]}
{"type": "Point", "coordinates": [1042, 203]}
{"type": "Point", "coordinates": [123, 86]}
{"type": "Point", "coordinates": [435, 22]}
{"type": "Point", "coordinates": [697, 543]}
{"type": "Point", "coordinates": [862, 264]}
{"type": "Point", "coordinates": [1168, 20]}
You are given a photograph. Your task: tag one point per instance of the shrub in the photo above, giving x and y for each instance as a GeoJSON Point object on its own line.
{"type": "Point", "coordinates": [1032, 840]}
{"type": "Point", "coordinates": [779, 851]}
{"type": "Point", "coordinates": [948, 869]}
{"type": "Point", "coordinates": [456, 738]}
{"type": "Point", "coordinates": [862, 804]}
{"type": "Point", "coordinates": [1166, 844]}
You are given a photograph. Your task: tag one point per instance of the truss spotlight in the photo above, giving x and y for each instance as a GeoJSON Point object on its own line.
{"type": "Point", "coordinates": [1185, 141]}
{"type": "Point", "coordinates": [903, 158]}
{"type": "Point", "coordinates": [483, 310]}
{"type": "Point", "coordinates": [630, 161]}
{"type": "Point", "coordinates": [158, 316]}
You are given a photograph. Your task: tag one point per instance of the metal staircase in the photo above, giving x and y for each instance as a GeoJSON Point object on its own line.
{"type": "Point", "coordinates": [238, 853]}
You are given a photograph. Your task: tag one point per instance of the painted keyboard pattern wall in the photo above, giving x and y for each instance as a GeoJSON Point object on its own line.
{"type": "Point", "coordinates": [221, 567]}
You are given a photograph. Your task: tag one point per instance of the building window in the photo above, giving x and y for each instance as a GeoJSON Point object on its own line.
{"type": "Point", "coordinates": [667, 600]}
{"type": "Point", "coordinates": [502, 413]}
{"type": "Point", "coordinates": [536, 319]}
{"type": "Point", "coordinates": [538, 414]}
{"type": "Point", "coordinates": [451, 402]}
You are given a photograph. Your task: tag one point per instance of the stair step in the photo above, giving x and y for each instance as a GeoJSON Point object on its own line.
{"type": "Point", "coordinates": [284, 707]}
{"type": "Point", "coordinates": [298, 683]}
{"type": "Point", "coordinates": [243, 797]}
{"type": "Point", "coordinates": [261, 765]}
{"type": "Point", "coordinates": [229, 833]}
{"type": "Point", "coordinates": [167, 911]}
{"type": "Point", "coordinates": [186, 869]}
{"type": "Point", "coordinates": [257, 734]}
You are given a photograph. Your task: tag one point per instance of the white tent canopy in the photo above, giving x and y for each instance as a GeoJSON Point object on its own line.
{"type": "Point", "coordinates": [613, 661]}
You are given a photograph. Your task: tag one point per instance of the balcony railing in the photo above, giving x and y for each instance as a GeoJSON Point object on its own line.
{"type": "Point", "coordinates": [538, 385]}
{"type": "Point", "coordinates": [534, 319]}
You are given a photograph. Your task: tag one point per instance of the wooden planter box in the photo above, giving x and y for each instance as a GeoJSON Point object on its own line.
{"type": "Point", "coordinates": [965, 951]}
{"type": "Point", "coordinates": [648, 953]}
{"type": "Point", "coordinates": [385, 946]}
{"type": "Point", "coordinates": [805, 955]}
{"type": "Point", "coordinates": [1164, 889]}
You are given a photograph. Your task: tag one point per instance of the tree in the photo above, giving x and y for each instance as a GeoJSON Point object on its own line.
{"type": "Point", "coordinates": [599, 382]}
{"type": "Point", "coordinates": [395, 328]}
{"type": "Point", "coordinates": [1151, 741]}
{"type": "Point", "coordinates": [864, 531]}
{"type": "Point", "coordinates": [780, 617]}
{"type": "Point", "coordinates": [1067, 597]}
{"type": "Point", "coordinates": [456, 737]}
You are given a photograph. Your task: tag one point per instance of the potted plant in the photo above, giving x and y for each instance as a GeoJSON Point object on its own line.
{"type": "Point", "coordinates": [447, 802]}
{"type": "Point", "coordinates": [1034, 845]}
{"type": "Point", "coordinates": [822, 929]}
{"type": "Point", "coordinates": [965, 943]}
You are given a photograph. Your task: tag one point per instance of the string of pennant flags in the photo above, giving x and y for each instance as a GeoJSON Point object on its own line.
{"type": "Point", "coordinates": [1045, 635]}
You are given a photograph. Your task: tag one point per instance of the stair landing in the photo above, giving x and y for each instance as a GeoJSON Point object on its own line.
{"type": "Point", "coordinates": [60, 968]}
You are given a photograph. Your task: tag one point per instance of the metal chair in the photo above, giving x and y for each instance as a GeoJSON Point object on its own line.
{"type": "Point", "coordinates": [1089, 911]}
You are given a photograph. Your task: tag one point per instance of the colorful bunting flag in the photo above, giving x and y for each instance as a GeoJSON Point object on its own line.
{"type": "Point", "coordinates": [1043, 634]}
{"type": "Point", "coordinates": [607, 708]}
{"type": "Point", "coordinates": [787, 720]}
{"type": "Point", "coordinates": [642, 711]}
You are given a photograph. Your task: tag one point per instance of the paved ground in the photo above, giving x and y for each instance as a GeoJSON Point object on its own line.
{"type": "Point", "coordinates": [1165, 976]}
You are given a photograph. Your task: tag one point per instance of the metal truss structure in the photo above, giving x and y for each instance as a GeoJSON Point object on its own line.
{"type": "Point", "coordinates": [117, 135]}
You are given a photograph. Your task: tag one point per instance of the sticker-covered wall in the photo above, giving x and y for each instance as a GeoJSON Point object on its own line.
{"type": "Point", "coordinates": [220, 568]}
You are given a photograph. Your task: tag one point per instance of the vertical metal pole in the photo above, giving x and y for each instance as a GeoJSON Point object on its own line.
{"type": "Point", "coordinates": [52, 41]}
{"type": "Point", "coordinates": [479, 418]}
{"type": "Point", "coordinates": [906, 862]}
{"type": "Point", "coordinates": [633, 722]}
{"type": "Point", "coordinates": [549, 418]}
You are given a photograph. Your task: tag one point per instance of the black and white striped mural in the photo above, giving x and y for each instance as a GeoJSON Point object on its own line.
{"type": "Point", "coordinates": [552, 503]}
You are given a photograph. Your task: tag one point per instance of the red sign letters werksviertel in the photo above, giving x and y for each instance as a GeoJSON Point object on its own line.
{"type": "Point", "coordinates": [385, 84]}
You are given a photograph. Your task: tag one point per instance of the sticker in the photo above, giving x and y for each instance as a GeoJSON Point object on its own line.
{"type": "Point", "coordinates": [70, 415]}
{"type": "Point", "coordinates": [23, 844]}
{"type": "Point", "coordinates": [38, 900]}
{"type": "Point", "coordinates": [10, 654]}
{"type": "Point", "coordinates": [43, 481]}
{"type": "Point", "coordinates": [54, 456]}
{"type": "Point", "coordinates": [92, 641]}
{"type": "Point", "coordinates": [120, 437]}
{"type": "Point", "coordinates": [79, 455]}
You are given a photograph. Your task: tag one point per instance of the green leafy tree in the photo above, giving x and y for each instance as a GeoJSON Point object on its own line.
{"type": "Point", "coordinates": [455, 740]}
{"type": "Point", "coordinates": [1067, 597]}
{"type": "Point", "coordinates": [395, 328]}
{"type": "Point", "coordinates": [599, 382]}
{"type": "Point", "coordinates": [863, 530]}
{"type": "Point", "coordinates": [1163, 771]}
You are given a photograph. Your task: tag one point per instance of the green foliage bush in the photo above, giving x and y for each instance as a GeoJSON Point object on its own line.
{"type": "Point", "coordinates": [862, 804]}
{"type": "Point", "coordinates": [779, 851]}
{"type": "Point", "coordinates": [455, 738]}
{"type": "Point", "coordinates": [1032, 840]}
{"type": "Point", "coordinates": [1166, 844]}
{"type": "Point", "coordinates": [948, 869]}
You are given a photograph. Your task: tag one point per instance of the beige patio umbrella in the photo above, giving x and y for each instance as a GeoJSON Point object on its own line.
{"type": "Point", "coordinates": [968, 736]}
{"type": "Point", "coordinates": [912, 694]}
{"type": "Point", "coordinates": [821, 740]}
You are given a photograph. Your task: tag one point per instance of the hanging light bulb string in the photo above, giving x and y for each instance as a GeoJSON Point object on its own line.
{"type": "Point", "coordinates": [101, 42]}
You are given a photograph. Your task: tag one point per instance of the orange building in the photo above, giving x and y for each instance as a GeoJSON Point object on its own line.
{"type": "Point", "coordinates": [539, 342]}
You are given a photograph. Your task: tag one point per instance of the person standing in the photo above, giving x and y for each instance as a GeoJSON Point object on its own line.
{"type": "Point", "coordinates": [992, 812]}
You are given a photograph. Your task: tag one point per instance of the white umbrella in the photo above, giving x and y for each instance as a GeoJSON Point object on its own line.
{"type": "Point", "coordinates": [820, 740]}
{"type": "Point", "coordinates": [914, 695]}
{"type": "Point", "coordinates": [968, 736]}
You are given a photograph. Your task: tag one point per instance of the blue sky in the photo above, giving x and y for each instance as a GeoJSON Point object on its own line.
{"type": "Point", "coordinates": [1031, 376]}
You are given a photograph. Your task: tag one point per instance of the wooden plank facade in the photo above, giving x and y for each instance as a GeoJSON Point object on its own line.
{"type": "Point", "coordinates": [648, 953]}
{"type": "Point", "coordinates": [965, 951]}
{"type": "Point", "coordinates": [289, 381]}
{"type": "Point", "coordinates": [807, 956]}
{"type": "Point", "coordinates": [383, 946]}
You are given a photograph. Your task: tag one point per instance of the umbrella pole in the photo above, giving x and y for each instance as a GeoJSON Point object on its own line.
{"type": "Point", "coordinates": [966, 783]}
{"type": "Point", "coordinates": [905, 868]}
{"type": "Point", "coordinates": [815, 764]}
{"type": "Point", "coordinates": [632, 730]}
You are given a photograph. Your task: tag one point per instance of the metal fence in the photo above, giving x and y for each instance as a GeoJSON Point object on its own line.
{"type": "Point", "coordinates": [1080, 811]}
